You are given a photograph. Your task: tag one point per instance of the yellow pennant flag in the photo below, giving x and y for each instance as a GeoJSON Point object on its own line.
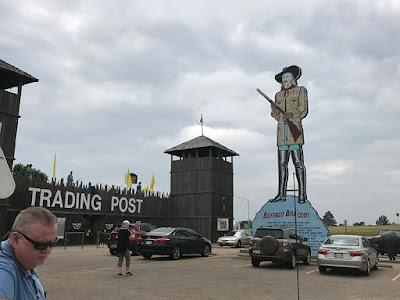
{"type": "Point", "coordinates": [54, 167]}
{"type": "Point", "coordinates": [128, 180]}
{"type": "Point", "coordinates": [152, 183]}
{"type": "Point", "coordinates": [144, 190]}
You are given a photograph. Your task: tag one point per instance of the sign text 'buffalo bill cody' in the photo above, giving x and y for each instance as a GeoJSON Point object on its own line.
{"type": "Point", "coordinates": [268, 215]}
{"type": "Point", "coordinates": [82, 201]}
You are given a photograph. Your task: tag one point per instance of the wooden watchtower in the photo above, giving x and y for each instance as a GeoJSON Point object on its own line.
{"type": "Point", "coordinates": [10, 77]}
{"type": "Point", "coordinates": [201, 185]}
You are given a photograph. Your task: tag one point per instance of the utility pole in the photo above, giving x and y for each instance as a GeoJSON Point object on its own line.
{"type": "Point", "coordinates": [248, 211]}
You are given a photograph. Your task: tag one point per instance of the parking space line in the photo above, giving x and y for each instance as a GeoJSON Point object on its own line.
{"type": "Point", "coordinates": [312, 271]}
{"type": "Point", "coordinates": [239, 266]}
{"type": "Point", "coordinates": [396, 277]}
{"type": "Point", "coordinates": [216, 256]}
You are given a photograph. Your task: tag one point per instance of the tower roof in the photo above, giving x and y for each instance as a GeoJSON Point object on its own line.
{"type": "Point", "coordinates": [11, 76]}
{"type": "Point", "coordinates": [200, 142]}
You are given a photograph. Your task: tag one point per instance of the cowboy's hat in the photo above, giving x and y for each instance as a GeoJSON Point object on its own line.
{"type": "Point", "coordinates": [295, 70]}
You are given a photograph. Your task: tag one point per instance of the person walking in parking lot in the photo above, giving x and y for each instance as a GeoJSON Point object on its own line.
{"type": "Point", "coordinates": [32, 237]}
{"type": "Point", "coordinates": [124, 237]}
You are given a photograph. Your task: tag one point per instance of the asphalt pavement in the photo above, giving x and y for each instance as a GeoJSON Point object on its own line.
{"type": "Point", "coordinates": [91, 273]}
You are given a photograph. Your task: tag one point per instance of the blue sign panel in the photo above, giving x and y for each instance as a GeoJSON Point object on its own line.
{"type": "Point", "coordinates": [306, 219]}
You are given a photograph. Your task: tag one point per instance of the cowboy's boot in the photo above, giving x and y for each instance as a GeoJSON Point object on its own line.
{"type": "Point", "coordinates": [283, 159]}
{"type": "Point", "coordinates": [298, 161]}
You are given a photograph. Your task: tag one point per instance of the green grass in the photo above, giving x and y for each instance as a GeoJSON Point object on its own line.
{"type": "Point", "coordinates": [369, 230]}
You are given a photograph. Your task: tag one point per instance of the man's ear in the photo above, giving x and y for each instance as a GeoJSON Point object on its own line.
{"type": "Point", "coordinates": [14, 239]}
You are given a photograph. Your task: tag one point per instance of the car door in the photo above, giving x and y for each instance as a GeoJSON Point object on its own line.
{"type": "Point", "coordinates": [196, 242]}
{"type": "Point", "coordinates": [372, 254]}
{"type": "Point", "coordinates": [246, 238]}
{"type": "Point", "coordinates": [302, 248]}
{"type": "Point", "coordinates": [183, 241]}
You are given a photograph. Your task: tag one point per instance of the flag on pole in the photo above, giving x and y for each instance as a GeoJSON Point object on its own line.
{"type": "Point", "coordinates": [144, 190]}
{"type": "Point", "coordinates": [54, 166]}
{"type": "Point", "coordinates": [201, 122]}
{"type": "Point", "coordinates": [128, 179]}
{"type": "Point", "coordinates": [152, 183]}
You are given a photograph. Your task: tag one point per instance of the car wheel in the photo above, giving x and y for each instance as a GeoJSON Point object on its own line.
{"type": "Point", "coordinates": [307, 260]}
{"type": "Point", "coordinates": [269, 244]}
{"type": "Point", "coordinates": [176, 253]}
{"type": "Point", "coordinates": [322, 269]}
{"type": "Point", "coordinates": [368, 271]}
{"type": "Point", "coordinates": [206, 251]}
{"type": "Point", "coordinates": [291, 264]}
{"type": "Point", "coordinates": [113, 252]}
{"type": "Point", "coordinates": [376, 264]}
{"type": "Point", "coordinates": [239, 244]}
{"type": "Point", "coordinates": [147, 255]}
{"type": "Point", "coordinates": [255, 262]}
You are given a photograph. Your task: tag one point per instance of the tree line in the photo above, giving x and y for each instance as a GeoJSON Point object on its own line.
{"type": "Point", "coordinates": [329, 220]}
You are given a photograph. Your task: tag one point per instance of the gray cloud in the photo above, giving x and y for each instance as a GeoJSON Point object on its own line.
{"type": "Point", "coordinates": [120, 82]}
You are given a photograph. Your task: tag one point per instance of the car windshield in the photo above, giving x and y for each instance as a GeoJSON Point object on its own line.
{"type": "Point", "coordinates": [163, 231]}
{"type": "Point", "coordinates": [383, 231]}
{"type": "Point", "coordinates": [118, 228]}
{"type": "Point", "coordinates": [233, 233]}
{"type": "Point", "coordinates": [343, 241]}
{"type": "Point", "coordinates": [276, 233]}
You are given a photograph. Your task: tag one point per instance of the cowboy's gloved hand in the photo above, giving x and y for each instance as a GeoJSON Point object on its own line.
{"type": "Point", "coordinates": [288, 115]}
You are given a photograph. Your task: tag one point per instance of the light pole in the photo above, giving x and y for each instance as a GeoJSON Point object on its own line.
{"type": "Point", "coordinates": [248, 211]}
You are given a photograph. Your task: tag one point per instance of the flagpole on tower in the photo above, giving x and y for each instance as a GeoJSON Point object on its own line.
{"type": "Point", "coordinates": [201, 121]}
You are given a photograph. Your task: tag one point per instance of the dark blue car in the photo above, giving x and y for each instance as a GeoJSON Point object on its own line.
{"type": "Point", "coordinates": [173, 242]}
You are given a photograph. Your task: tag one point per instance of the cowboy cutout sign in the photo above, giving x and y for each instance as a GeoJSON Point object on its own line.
{"type": "Point", "coordinates": [289, 108]}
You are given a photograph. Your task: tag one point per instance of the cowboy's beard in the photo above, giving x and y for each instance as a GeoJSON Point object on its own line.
{"type": "Point", "coordinates": [287, 83]}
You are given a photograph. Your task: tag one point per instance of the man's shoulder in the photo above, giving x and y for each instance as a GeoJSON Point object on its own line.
{"type": "Point", "coordinates": [299, 88]}
{"type": "Point", "coordinates": [7, 265]}
{"type": "Point", "coordinates": [8, 277]}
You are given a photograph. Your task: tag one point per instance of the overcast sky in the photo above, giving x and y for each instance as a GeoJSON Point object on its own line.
{"type": "Point", "coordinates": [120, 82]}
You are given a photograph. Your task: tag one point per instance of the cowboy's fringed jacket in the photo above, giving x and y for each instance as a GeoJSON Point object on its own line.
{"type": "Point", "coordinates": [292, 100]}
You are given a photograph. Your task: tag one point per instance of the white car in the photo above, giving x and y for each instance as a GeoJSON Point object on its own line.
{"type": "Point", "coordinates": [235, 238]}
{"type": "Point", "coordinates": [347, 251]}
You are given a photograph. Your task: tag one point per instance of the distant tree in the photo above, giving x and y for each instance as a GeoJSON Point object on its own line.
{"type": "Point", "coordinates": [38, 176]}
{"type": "Point", "coordinates": [359, 224]}
{"type": "Point", "coordinates": [328, 219]}
{"type": "Point", "coordinates": [382, 220]}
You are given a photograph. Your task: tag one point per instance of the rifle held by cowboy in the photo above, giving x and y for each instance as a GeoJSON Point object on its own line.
{"type": "Point", "coordinates": [293, 129]}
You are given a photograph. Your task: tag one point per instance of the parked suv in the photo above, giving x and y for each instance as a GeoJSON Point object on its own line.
{"type": "Point", "coordinates": [140, 229]}
{"type": "Point", "coordinates": [279, 244]}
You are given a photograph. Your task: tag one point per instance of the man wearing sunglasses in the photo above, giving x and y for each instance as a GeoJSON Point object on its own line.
{"type": "Point", "coordinates": [32, 237]}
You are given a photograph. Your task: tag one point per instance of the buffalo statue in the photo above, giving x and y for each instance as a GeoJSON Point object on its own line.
{"type": "Point", "coordinates": [388, 242]}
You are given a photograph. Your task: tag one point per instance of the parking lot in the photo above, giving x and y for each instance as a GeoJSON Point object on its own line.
{"type": "Point", "coordinates": [227, 274]}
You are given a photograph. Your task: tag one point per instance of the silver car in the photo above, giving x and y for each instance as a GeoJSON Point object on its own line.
{"type": "Point", "coordinates": [235, 238]}
{"type": "Point", "coordinates": [347, 251]}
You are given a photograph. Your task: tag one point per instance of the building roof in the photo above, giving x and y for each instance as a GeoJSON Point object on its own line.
{"type": "Point", "coordinates": [11, 76]}
{"type": "Point", "coordinates": [200, 142]}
